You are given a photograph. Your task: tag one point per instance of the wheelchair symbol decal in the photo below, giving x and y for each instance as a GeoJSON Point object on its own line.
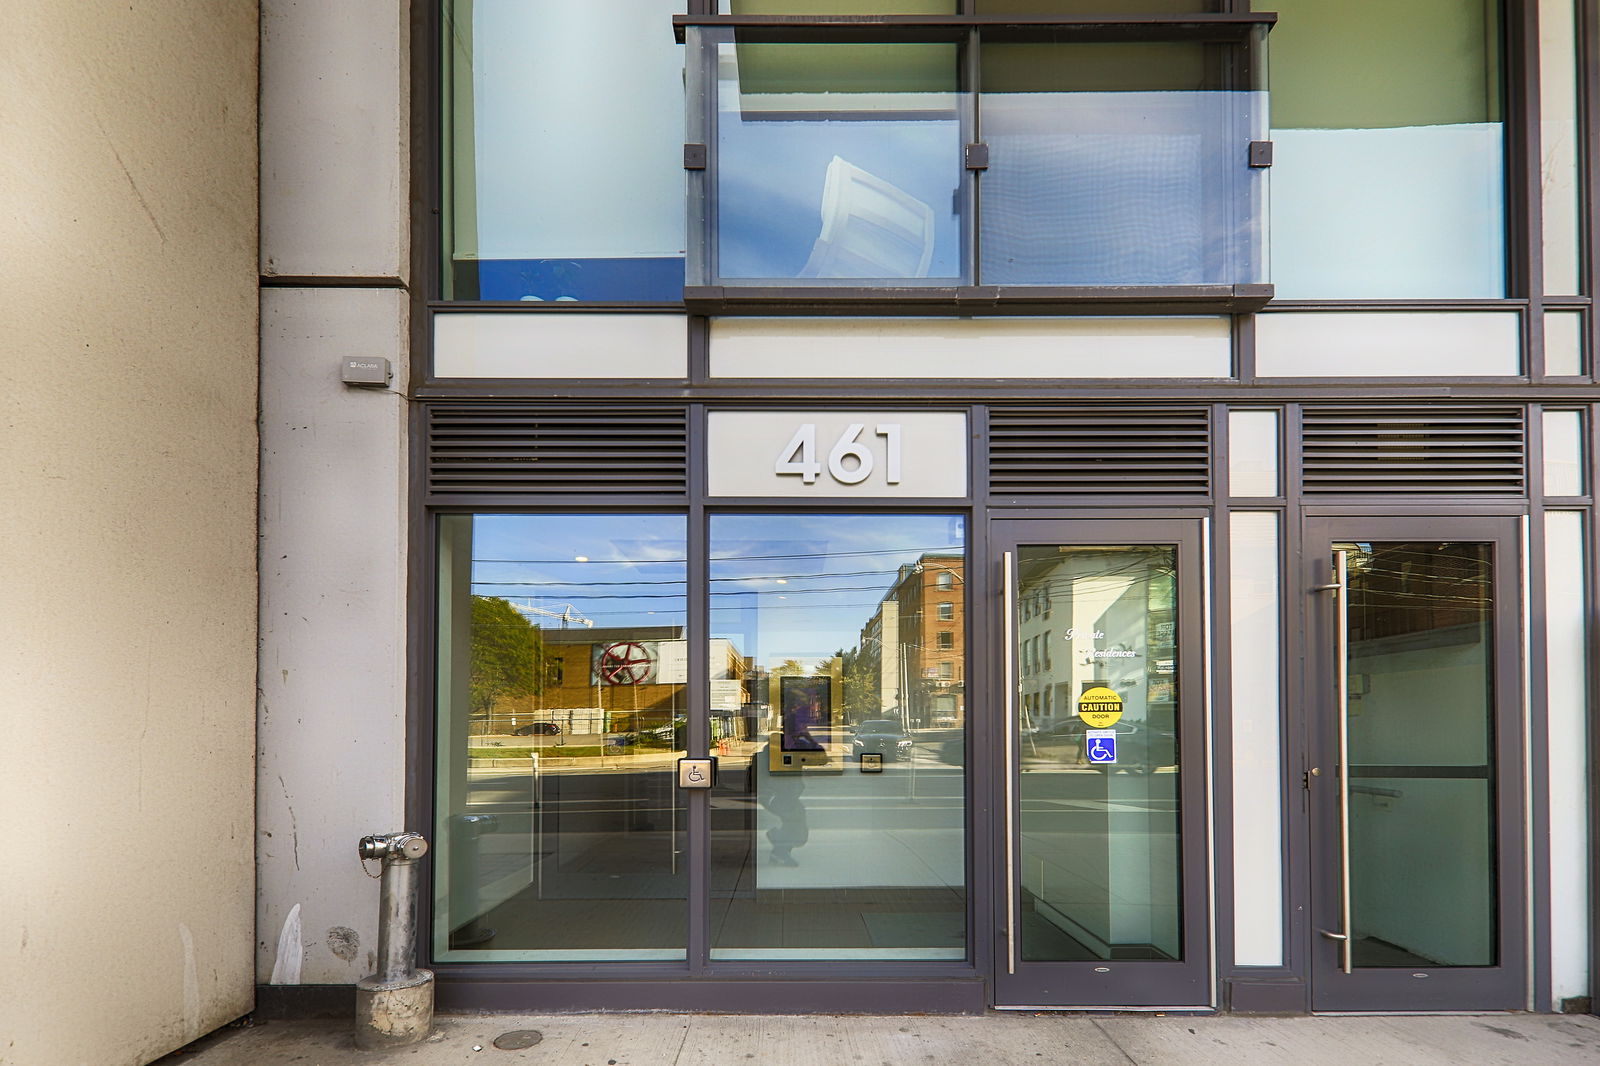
{"type": "Point", "coordinates": [1100, 745]}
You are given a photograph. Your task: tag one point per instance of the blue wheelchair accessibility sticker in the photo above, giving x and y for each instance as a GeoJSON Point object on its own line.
{"type": "Point", "coordinates": [1100, 745]}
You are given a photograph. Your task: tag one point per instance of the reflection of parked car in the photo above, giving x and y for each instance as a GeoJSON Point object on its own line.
{"type": "Point", "coordinates": [537, 729]}
{"type": "Point", "coordinates": [883, 736]}
{"type": "Point", "coordinates": [1139, 746]}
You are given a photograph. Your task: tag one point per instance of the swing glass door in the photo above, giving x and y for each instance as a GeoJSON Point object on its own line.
{"type": "Point", "coordinates": [1103, 900]}
{"type": "Point", "coordinates": [1414, 787]}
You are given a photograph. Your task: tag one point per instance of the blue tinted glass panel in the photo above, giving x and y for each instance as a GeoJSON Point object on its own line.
{"type": "Point", "coordinates": [838, 163]}
{"type": "Point", "coordinates": [1117, 164]}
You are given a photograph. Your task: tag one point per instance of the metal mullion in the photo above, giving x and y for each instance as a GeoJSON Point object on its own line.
{"type": "Point", "coordinates": [698, 728]}
{"type": "Point", "coordinates": [1523, 88]}
{"type": "Point", "coordinates": [1536, 754]}
{"type": "Point", "coordinates": [973, 179]}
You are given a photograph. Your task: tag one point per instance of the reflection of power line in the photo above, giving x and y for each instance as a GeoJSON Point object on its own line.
{"type": "Point", "coordinates": [910, 555]}
{"type": "Point", "coordinates": [518, 582]}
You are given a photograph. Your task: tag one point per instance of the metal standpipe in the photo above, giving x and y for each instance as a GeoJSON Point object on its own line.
{"type": "Point", "coordinates": [394, 1007]}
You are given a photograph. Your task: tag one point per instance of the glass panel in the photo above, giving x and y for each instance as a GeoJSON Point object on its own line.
{"type": "Point", "coordinates": [839, 714]}
{"type": "Point", "coordinates": [1422, 770]}
{"type": "Point", "coordinates": [1252, 453]}
{"type": "Point", "coordinates": [1257, 625]}
{"type": "Point", "coordinates": [1563, 453]}
{"type": "Point", "coordinates": [1099, 857]}
{"type": "Point", "coordinates": [562, 657]}
{"type": "Point", "coordinates": [1563, 343]}
{"type": "Point", "coordinates": [1391, 186]}
{"type": "Point", "coordinates": [1119, 164]}
{"type": "Point", "coordinates": [563, 151]}
{"type": "Point", "coordinates": [1558, 143]}
{"type": "Point", "coordinates": [837, 163]}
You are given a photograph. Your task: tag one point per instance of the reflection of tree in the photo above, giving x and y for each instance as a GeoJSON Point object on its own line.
{"type": "Point", "coordinates": [507, 654]}
{"type": "Point", "coordinates": [859, 679]}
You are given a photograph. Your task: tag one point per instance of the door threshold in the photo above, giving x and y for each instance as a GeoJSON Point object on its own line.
{"type": "Point", "coordinates": [1414, 1013]}
{"type": "Point", "coordinates": [1104, 1009]}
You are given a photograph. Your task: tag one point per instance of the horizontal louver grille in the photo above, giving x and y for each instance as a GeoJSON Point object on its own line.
{"type": "Point", "coordinates": [1099, 451]}
{"type": "Point", "coordinates": [489, 450]}
{"type": "Point", "coordinates": [1462, 450]}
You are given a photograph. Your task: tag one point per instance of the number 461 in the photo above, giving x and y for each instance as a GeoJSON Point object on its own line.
{"type": "Point", "coordinates": [850, 460]}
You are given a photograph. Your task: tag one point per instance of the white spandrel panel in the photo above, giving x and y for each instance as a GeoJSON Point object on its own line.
{"type": "Point", "coordinates": [1253, 588]}
{"type": "Point", "coordinates": [1387, 344]}
{"type": "Point", "coordinates": [1567, 662]}
{"type": "Point", "coordinates": [508, 345]}
{"type": "Point", "coordinates": [1252, 453]}
{"type": "Point", "coordinates": [837, 454]}
{"type": "Point", "coordinates": [1563, 343]}
{"type": "Point", "coordinates": [941, 348]}
{"type": "Point", "coordinates": [1563, 453]}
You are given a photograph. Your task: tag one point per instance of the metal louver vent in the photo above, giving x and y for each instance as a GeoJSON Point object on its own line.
{"type": "Point", "coordinates": [1099, 451]}
{"type": "Point", "coordinates": [1458, 449]}
{"type": "Point", "coordinates": [483, 452]}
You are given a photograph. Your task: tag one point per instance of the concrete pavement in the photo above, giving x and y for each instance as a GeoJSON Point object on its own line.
{"type": "Point", "coordinates": [995, 1039]}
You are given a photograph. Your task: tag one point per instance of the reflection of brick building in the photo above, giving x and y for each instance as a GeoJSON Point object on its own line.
{"type": "Point", "coordinates": [613, 679]}
{"type": "Point", "coordinates": [918, 636]}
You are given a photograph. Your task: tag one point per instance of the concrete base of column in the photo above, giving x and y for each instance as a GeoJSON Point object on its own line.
{"type": "Point", "coordinates": [394, 1013]}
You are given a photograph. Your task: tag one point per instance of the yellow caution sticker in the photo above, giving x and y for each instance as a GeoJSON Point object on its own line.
{"type": "Point", "coordinates": [1100, 707]}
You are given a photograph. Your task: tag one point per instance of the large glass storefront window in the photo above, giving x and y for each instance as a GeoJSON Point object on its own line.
{"type": "Point", "coordinates": [562, 673]}
{"type": "Point", "coordinates": [838, 710]}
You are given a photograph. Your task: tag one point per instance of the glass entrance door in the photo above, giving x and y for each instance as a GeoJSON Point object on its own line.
{"type": "Point", "coordinates": [1414, 775]}
{"type": "Point", "coordinates": [1103, 899]}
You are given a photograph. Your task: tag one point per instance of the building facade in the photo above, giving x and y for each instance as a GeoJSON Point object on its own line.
{"type": "Point", "coordinates": [1110, 484]}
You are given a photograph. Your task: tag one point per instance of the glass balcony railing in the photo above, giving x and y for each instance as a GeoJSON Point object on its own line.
{"type": "Point", "coordinates": [918, 161]}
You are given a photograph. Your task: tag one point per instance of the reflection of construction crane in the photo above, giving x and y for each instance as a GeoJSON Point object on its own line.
{"type": "Point", "coordinates": [568, 613]}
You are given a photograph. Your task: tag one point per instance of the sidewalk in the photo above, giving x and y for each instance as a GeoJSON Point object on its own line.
{"type": "Point", "coordinates": [993, 1039]}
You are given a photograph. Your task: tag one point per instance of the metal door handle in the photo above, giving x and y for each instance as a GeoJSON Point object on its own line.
{"type": "Point", "coordinates": [1342, 670]}
{"type": "Point", "coordinates": [1009, 723]}
{"type": "Point", "coordinates": [1331, 935]}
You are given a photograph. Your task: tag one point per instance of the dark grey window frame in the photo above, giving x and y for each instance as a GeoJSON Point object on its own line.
{"type": "Point", "coordinates": [1242, 989]}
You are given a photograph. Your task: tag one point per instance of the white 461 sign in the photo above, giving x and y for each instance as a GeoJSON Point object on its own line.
{"type": "Point", "coordinates": [853, 454]}
{"type": "Point", "coordinates": [851, 459]}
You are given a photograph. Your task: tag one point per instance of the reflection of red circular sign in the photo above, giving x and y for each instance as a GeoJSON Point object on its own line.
{"type": "Point", "coordinates": [625, 663]}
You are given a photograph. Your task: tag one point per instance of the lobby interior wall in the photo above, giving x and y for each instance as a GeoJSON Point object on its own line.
{"type": "Point", "coordinates": [128, 464]}
{"type": "Point", "coordinates": [334, 175]}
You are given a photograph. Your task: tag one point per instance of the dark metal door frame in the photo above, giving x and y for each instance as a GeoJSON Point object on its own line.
{"type": "Point", "coordinates": [1502, 986]}
{"type": "Point", "coordinates": [1132, 983]}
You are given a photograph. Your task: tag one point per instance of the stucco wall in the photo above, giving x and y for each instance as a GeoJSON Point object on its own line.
{"type": "Point", "coordinates": [128, 457]}
{"type": "Point", "coordinates": [333, 491]}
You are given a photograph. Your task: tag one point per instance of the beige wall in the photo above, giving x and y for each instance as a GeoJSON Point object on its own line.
{"type": "Point", "coordinates": [128, 312]}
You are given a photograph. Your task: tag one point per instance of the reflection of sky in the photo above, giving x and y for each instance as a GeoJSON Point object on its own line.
{"type": "Point", "coordinates": [634, 574]}
{"type": "Point", "coordinates": [783, 586]}
{"type": "Point", "coordinates": [801, 586]}
{"type": "Point", "coordinates": [771, 173]}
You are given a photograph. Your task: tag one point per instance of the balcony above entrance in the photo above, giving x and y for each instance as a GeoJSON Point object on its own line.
{"type": "Point", "coordinates": [975, 164]}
